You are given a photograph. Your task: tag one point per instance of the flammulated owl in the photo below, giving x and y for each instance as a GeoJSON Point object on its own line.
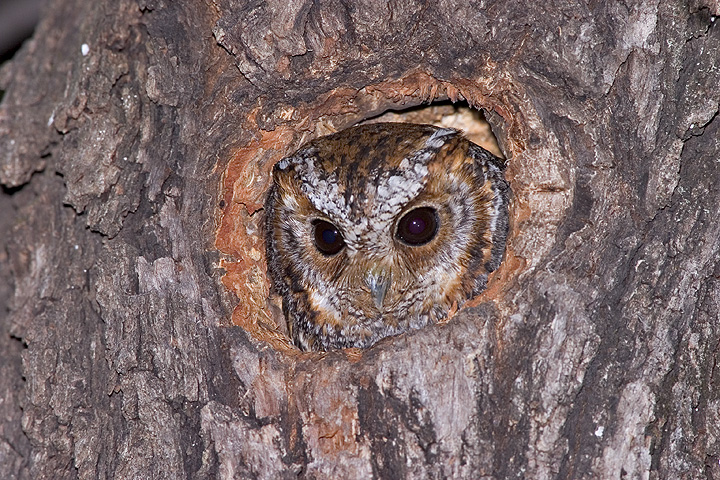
{"type": "Point", "coordinates": [380, 229]}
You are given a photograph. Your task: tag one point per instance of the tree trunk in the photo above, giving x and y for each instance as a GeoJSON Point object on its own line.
{"type": "Point", "coordinates": [136, 139]}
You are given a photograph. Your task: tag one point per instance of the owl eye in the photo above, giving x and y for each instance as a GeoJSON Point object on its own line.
{"type": "Point", "coordinates": [418, 226]}
{"type": "Point", "coordinates": [328, 238]}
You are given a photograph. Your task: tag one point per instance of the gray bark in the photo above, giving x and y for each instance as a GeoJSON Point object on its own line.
{"type": "Point", "coordinates": [592, 355]}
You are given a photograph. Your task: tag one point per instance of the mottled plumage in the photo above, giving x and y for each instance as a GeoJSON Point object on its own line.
{"type": "Point", "coordinates": [379, 229]}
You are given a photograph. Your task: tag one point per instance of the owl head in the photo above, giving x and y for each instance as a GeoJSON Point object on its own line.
{"type": "Point", "coordinates": [380, 229]}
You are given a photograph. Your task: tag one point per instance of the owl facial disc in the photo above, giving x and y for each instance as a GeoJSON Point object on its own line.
{"type": "Point", "coordinates": [380, 229]}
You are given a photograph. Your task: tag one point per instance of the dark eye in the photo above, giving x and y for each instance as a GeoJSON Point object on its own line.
{"type": "Point", "coordinates": [418, 226]}
{"type": "Point", "coordinates": [328, 238]}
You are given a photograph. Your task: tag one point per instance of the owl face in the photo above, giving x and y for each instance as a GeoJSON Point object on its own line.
{"type": "Point", "coordinates": [381, 228]}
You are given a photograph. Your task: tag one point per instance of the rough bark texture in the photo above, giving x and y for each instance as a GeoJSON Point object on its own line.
{"type": "Point", "coordinates": [593, 354]}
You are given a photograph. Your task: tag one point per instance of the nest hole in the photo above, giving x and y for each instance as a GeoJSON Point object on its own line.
{"type": "Point", "coordinates": [245, 264]}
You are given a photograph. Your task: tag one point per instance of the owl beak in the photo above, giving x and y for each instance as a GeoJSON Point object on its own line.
{"type": "Point", "coordinates": [378, 281]}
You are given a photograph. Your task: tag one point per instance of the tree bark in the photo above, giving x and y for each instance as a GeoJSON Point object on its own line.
{"type": "Point", "coordinates": [136, 342]}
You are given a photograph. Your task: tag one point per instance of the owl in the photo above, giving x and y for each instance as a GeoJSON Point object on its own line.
{"type": "Point", "coordinates": [380, 229]}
